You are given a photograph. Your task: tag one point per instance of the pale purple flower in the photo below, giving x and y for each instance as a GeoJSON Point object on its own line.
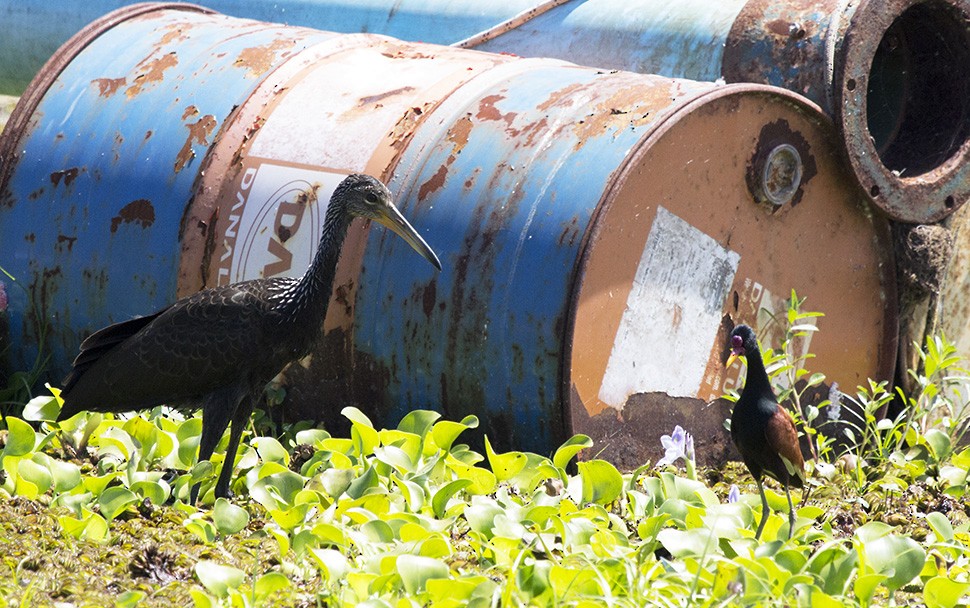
{"type": "Point", "coordinates": [678, 445]}
{"type": "Point", "coordinates": [734, 494]}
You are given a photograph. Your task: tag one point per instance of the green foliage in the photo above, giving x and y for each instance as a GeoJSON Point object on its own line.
{"type": "Point", "coordinates": [411, 517]}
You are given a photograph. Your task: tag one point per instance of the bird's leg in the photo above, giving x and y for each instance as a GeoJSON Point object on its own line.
{"type": "Point", "coordinates": [239, 420]}
{"type": "Point", "coordinates": [216, 413]}
{"type": "Point", "coordinates": [791, 513]}
{"type": "Point", "coordinates": [764, 509]}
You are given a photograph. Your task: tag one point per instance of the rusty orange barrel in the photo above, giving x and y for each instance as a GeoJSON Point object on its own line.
{"type": "Point", "coordinates": [599, 231]}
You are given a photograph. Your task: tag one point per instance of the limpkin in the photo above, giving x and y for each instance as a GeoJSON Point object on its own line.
{"type": "Point", "coordinates": [220, 347]}
{"type": "Point", "coordinates": [762, 430]}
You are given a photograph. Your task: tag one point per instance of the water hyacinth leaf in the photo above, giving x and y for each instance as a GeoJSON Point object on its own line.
{"type": "Point", "coordinates": [439, 502]}
{"type": "Point", "coordinates": [37, 474]}
{"type": "Point", "coordinates": [90, 526]}
{"type": "Point", "coordinates": [602, 483]}
{"type": "Point", "coordinates": [533, 579]}
{"type": "Point", "coordinates": [504, 466]}
{"type": "Point", "coordinates": [115, 441]}
{"type": "Point", "coordinates": [359, 486]}
{"type": "Point", "coordinates": [377, 531]}
{"type": "Point", "coordinates": [312, 437]}
{"type": "Point", "coordinates": [129, 599]}
{"type": "Point", "coordinates": [418, 422]}
{"type": "Point", "coordinates": [483, 481]}
{"type": "Point", "coordinates": [865, 586]}
{"type": "Point", "coordinates": [687, 543]}
{"type": "Point", "coordinates": [335, 482]}
{"type": "Point", "coordinates": [21, 437]}
{"type": "Point", "coordinates": [290, 518]}
{"type": "Point", "coordinates": [899, 557]}
{"type": "Point", "coordinates": [116, 499]}
{"type": "Point", "coordinates": [331, 562]}
{"type": "Point", "coordinates": [416, 571]}
{"type": "Point", "coordinates": [270, 450]}
{"type": "Point", "coordinates": [365, 438]}
{"type": "Point", "coordinates": [481, 516]}
{"type": "Point", "coordinates": [268, 584]}
{"type": "Point", "coordinates": [574, 445]}
{"type": "Point", "coordinates": [939, 443]}
{"type": "Point", "coordinates": [188, 435]}
{"type": "Point", "coordinates": [276, 491]}
{"type": "Point", "coordinates": [218, 579]}
{"type": "Point", "coordinates": [446, 592]}
{"type": "Point", "coordinates": [942, 592]}
{"type": "Point", "coordinates": [394, 457]}
{"type": "Point", "coordinates": [229, 518]}
{"type": "Point", "coordinates": [941, 526]}
{"type": "Point", "coordinates": [155, 491]}
{"type": "Point", "coordinates": [444, 432]}
{"type": "Point", "coordinates": [145, 434]}
{"type": "Point", "coordinates": [200, 599]}
{"type": "Point", "coordinates": [66, 475]}
{"type": "Point", "coordinates": [41, 409]}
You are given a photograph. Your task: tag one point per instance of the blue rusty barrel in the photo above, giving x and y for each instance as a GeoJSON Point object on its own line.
{"type": "Point", "coordinates": [599, 230]}
{"type": "Point", "coordinates": [893, 74]}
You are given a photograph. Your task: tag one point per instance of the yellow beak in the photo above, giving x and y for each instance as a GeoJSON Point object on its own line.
{"type": "Point", "coordinates": [393, 219]}
{"type": "Point", "coordinates": [731, 359]}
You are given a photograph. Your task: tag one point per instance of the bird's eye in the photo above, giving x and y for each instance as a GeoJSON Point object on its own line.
{"type": "Point", "coordinates": [371, 198]}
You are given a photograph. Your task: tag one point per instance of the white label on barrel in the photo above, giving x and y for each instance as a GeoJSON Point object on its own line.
{"type": "Point", "coordinates": [275, 221]}
{"type": "Point", "coordinates": [672, 314]}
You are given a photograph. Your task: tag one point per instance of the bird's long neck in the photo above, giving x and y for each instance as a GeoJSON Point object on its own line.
{"type": "Point", "coordinates": [310, 296]}
{"type": "Point", "coordinates": [757, 379]}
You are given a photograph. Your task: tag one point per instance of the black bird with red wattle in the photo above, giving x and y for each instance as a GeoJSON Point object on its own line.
{"type": "Point", "coordinates": [763, 431]}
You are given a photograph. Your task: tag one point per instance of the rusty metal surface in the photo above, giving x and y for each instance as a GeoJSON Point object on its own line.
{"type": "Point", "coordinates": [100, 160]}
{"type": "Point", "coordinates": [681, 251]}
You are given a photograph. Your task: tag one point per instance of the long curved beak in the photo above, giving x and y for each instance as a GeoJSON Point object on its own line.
{"type": "Point", "coordinates": [392, 218]}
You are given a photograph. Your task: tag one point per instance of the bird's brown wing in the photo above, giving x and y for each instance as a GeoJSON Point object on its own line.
{"type": "Point", "coordinates": [198, 344]}
{"type": "Point", "coordinates": [782, 437]}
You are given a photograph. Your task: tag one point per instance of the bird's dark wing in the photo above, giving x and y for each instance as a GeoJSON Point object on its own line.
{"type": "Point", "coordinates": [782, 437]}
{"type": "Point", "coordinates": [203, 342]}
{"type": "Point", "coordinates": [103, 340]}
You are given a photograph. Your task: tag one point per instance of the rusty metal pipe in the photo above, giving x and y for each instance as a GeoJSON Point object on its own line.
{"type": "Point", "coordinates": [597, 230]}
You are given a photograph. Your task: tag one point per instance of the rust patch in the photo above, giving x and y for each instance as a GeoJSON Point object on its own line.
{"type": "Point", "coordinates": [152, 70]}
{"type": "Point", "coordinates": [64, 240]}
{"type": "Point", "coordinates": [199, 132]}
{"type": "Point", "coordinates": [366, 101]}
{"type": "Point", "coordinates": [189, 111]}
{"type": "Point", "coordinates": [139, 211]}
{"type": "Point", "coordinates": [109, 86]}
{"type": "Point", "coordinates": [36, 194]}
{"type": "Point", "coordinates": [258, 59]}
{"type": "Point", "coordinates": [67, 175]}
{"type": "Point", "coordinates": [175, 33]}
{"type": "Point", "coordinates": [428, 298]}
{"type": "Point", "coordinates": [434, 183]}
{"type": "Point", "coordinates": [148, 134]}
{"type": "Point", "coordinates": [488, 111]}
{"type": "Point", "coordinates": [459, 133]}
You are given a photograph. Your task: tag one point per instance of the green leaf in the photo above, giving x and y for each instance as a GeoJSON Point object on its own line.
{"type": "Point", "coordinates": [533, 579]}
{"type": "Point", "coordinates": [865, 586]}
{"type": "Point", "coordinates": [574, 445]}
{"type": "Point", "coordinates": [129, 599]}
{"type": "Point", "coordinates": [483, 482]}
{"type": "Point", "coordinates": [44, 408]}
{"type": "Point", "coordinates": [899, 557]}
{"type": "Point", "coordinates": [332, 563]}
{"type": "Point", "coordinates": [270, 450]}
{"type": "Point", "coordinates": [363, 483]}
{"type": "Point", "coordinates": [440, 500]}
{"type": "Point", "coordinates": [228, 517]}
{"type": "Point", "coordinates": [940, 525]}
{"type": "Point", "coordinates": [218, 579]}
{"type": "Point", "coordinates": [67, 475]}
{"type": "Point", "coordinates": [445, 432]}
{"type": "Point", "coordinates": [114, 500]}
{"type": "Point", "coordinates": [21, 437]}
{"type": "Point", "coordinates": [362, 431]}
{"type": "Point", "coordinates": [415, 571]}
{"type": "Point", "coordinates": [154, 491]}
{"type": "Point", "coordinates": [39, 475]}
{"type": "Point", "coordinates": [418, 422]}
{"type": "Point", "coordinates": [268, 584]}
{"type": "Point", "coordinates": [941, 592]}
{"type": "Point", "coordinates": [602, 483]}
{"type": "Point", "coordinates": [335, 482]}
{"type": "Point", "coordinates": [687, 543]}
{"type": "Point", "coordinates": [188, 434]}
{"type": "Point", "coordinates": [504, 466]}
{"type": "Point", "coordinates": [90, 526]}
{"type": "Point", "coordinates": [277, 491]}
{"type": "Point", "coordinates": [939, 442]}
{"type": "Point", "coordinates": [313, 437]}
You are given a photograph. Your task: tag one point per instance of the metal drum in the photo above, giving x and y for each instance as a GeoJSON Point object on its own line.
{"type": "Point", "coordinates": [598, 230]}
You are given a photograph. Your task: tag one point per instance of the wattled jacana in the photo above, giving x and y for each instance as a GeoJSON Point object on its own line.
{"type": "Point", "coordinates": [762, 430]}
{"type": "Point", "coordinates": [220, 347]}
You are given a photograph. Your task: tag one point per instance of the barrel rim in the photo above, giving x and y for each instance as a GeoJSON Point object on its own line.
{"type": "Point", "coordinates": [19, 119]}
